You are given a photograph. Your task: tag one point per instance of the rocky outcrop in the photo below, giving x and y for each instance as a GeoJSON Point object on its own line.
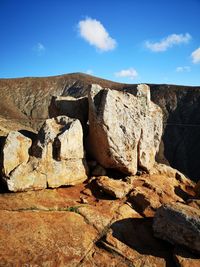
{"type": "Point", "coordinates": [178, 223]}
{"type": "Point", "coordinates": [28, 100]}
{"type": "Point", "coordinates": [57, 158]}
{"type": "Point", "coordinates": [149, 192]}
{"type": "Point", "coordinates": [124, 130]}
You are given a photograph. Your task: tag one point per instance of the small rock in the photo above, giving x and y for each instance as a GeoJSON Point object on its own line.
{"type": "Point", "coordinates": [178, 224]}
{"type": "Point", "coordinates": [83, 200]}
{"type": "Point", "coordinates": [115, 188]}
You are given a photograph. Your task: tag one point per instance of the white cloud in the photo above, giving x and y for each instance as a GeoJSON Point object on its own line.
{"type": "Point", "coordinates": [183, 69]}
{"type": "Point", "coordinates": [39, 48]}
{"type": "Point", "coordinates": [169, 41]}
{"type": "Point", "coordinates": [95, 34]}
{"type": "Point", "coordinates": [196, 56]}
{"type": "Point", "coordinates": [128, 73]}
{"type": "Point", "coordinates": [90, 72]}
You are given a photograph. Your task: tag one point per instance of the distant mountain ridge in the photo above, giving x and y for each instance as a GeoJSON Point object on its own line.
{"type": "Point", "coordinates": [26, 101]}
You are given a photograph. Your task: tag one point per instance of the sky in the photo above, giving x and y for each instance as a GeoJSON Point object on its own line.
{"type": "Point", "coordinates": [131, 41]}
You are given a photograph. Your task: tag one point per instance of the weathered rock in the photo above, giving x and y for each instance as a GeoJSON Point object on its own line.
{"type": "Point", "coordinates": [44, 238]}
{"type": "Point", "coordinates": [115, 188]}
{"type": "Point", "coordinates": [72, 107]}
{"type": "Point", "coordinates": [124, 130]}
{"type": "Point", "coordinates": [163, 169]}
{"type": "Point", "coordinates": [68, 172]}
{"type": "Point", "coordinates": [28, 100]}
{"type": "Point", "coordinates": [99, 257]}
{"type": "Point", "coordinates": [57, 157]}
{"type": "Point", "coordinates": [151, 191]}
{"type": "Point", "coordinates": [179, 224]}
{"type": "Point", "coordinates": [60, 146]}
{"type": "Point", "coordinates": [60, 138]}
{"type": "Point", "coordinates": [15, 151]}
{"type": "Point", "coordinates": [27, 176]}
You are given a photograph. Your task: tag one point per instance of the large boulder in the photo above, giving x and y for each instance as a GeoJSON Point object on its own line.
{"type": "Point", "coordinates": [57, 158]}
{"type": "Point", "coordinates": [124, 130]}
{"type": "Point", "coordinates": [178, 224]}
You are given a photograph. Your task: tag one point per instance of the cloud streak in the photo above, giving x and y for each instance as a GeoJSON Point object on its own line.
{"type": "Point", "coordinates": [127, 73]}
{"type": "Point", "coordinates": [168, 42]}
{"type": "Point", "coordinates": [183, 69]}
{"type": "Point", "coordinates": [196, 56]}
{"type": "Point", "coordinates": [92, 31]}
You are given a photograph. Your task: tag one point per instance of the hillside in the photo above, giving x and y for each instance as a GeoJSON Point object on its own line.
{"type": "Point", "coordinates": [28, 101]}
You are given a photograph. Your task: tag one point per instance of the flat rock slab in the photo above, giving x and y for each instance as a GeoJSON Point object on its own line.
{"type": "Point", "coordinates": [44, 238]}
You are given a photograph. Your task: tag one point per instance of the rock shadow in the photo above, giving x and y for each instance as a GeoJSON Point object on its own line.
{"type": "Point", "coordinates": [97, 192]}
{"type": "Point", "coordinates": [137, 233]}
{"type": "Point", "coordinates": [182, 132]}
{"type": "Point", "coordinates": [181, 193]}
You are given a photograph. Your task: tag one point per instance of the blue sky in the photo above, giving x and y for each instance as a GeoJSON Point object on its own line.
{"type": "Point", "coordinates": [133, 41]}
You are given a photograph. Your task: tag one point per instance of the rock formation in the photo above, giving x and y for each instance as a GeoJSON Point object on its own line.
{"type": "Point", "coordinates": [124, 130]}
{"type": "Point", "coordinates": [57, 158]}
{"type": "Point", "coordinates": [27, 101]}
{"type": "Point", "coordinates": [106, 217]}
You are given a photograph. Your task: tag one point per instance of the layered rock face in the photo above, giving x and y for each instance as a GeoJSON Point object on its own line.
{"type": "Point", "coordinates": [57, 157]}
{"type": "Point", "coordinates": [124, 130]}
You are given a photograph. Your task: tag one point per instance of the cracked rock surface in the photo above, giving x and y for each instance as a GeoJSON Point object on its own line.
{"type": "Point", "coordinates": [80, 226]}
